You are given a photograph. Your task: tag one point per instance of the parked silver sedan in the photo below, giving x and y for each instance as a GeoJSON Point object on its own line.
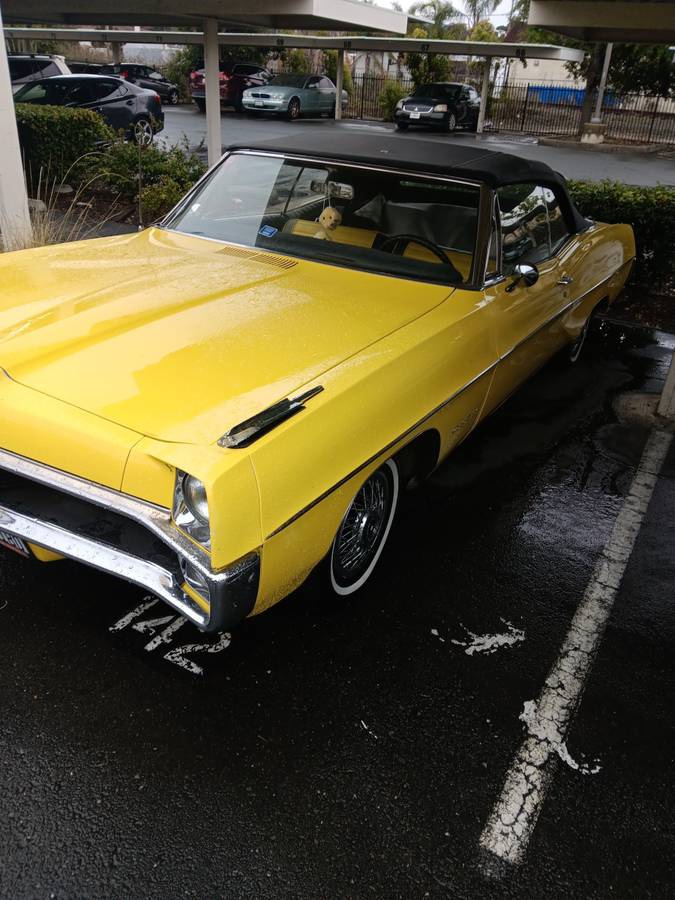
{"type": "Point", "coordinates": [294, 96]}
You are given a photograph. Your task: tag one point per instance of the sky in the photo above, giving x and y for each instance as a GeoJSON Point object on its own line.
{"type": "Point", "coordinates": [499, 17]}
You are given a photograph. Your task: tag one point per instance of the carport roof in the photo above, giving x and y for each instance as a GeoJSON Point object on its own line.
{"type": "Point", "coordinates": [317, 14]}
{"type": "Point", "coordinates": [636, 21]}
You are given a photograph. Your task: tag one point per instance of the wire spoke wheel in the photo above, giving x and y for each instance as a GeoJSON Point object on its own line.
{"type": "Point", "coordinates": [364, 530]}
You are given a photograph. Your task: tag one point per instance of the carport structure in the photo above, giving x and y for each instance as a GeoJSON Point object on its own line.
{"type": "Point", "coordinates": [316, 14]}
{"type": "Point", "coordinates": [333, 14]}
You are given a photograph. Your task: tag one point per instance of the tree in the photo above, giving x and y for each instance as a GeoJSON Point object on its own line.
{"type": "Point", "coordinates": [483, 31]}
{"type": "Point", "coordinates": [477, 10]}
{"type": "Point", "coordinates": [426, 67]}
{"type": "Point", "coordinates": [330, 64]}
{"type": "Point", "coordinates": [441, 15]}
{"type": "Point", "coordinates": [296, 61]}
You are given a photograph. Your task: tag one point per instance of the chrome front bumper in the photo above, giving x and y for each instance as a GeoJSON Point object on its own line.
{"type": "Point", "coordinates": [121, 535]}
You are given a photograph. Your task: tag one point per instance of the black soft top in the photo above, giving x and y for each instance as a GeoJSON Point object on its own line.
{"type": "Point", "coordinates": [420, 154]}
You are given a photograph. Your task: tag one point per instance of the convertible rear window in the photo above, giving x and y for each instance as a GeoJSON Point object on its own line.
{"type": "Point", "coordinates": [413, 227]}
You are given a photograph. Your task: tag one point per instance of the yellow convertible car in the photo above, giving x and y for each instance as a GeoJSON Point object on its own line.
{"type": "Point", "coordinates": [220, 404]}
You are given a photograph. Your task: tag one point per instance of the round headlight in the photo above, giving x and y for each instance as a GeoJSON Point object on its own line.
{"type": "Point", "coordinates": [194, 494]}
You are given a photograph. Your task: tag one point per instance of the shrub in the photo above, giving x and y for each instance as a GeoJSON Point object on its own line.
{"type": "Point", "coordinates": [123, 165]}
{"type": "Point", "coordinates": [297, 61]}
{"type": "Point", "coordinates": [157, 199]}
{"type": "Point", "coordinates": [651, 212]}
{"type": "Point", "coordinates": [157, 176]}
{"type": "Point", "coordinates": [391, 93]}
{"type": "Point", "coordinates": [181, 64]}
{"type": "Point", "coordinates": [54, 138]}
{"type": "Point", "coordinates": [330, 58]}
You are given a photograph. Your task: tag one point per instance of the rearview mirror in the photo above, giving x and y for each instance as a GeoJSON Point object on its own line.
{"type": "Point", "coordinates": [526, 273]}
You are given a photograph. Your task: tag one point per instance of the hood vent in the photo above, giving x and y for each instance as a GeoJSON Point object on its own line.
{"type": "Point", "coordinates": [269, 259]}
{"type": "Point", "coordinates": [249, 431]}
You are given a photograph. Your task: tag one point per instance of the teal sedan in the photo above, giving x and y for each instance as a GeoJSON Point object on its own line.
{"type": "Point", "coordinates": [294, 96]}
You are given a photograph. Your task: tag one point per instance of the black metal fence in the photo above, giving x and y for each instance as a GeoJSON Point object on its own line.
{"type": "Point", "coordinates": [364, 100]}
{"type": "Point", "coordinates": [544, 108]}
{"type": "Point", "coordinates": [555, 109]}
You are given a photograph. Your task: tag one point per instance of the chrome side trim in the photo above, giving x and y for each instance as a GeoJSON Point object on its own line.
{"type": "Point", "coordinates": [561, 312]}
{"type": "Point", "coordinates": [438, 408]}
{"type": "Point", "coordinates": [391, 444]}
{"type": "Point", "coordinates": [156, 519]}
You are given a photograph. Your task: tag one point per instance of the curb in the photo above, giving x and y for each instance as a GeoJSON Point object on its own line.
{"type": "Point", "coordinates": [647, 149]}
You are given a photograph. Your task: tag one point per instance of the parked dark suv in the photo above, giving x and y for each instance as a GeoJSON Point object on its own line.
{"type": "Point", "coordinates": [145, 77]}
{"type": "Point", "coordinates": [233, 82]}
{"type": "Point", "coordinates": [27, 67]}
{"type": "Point", "coordinates": [444, 105]}
{"type": "Point", "coordinates": [124, 106]}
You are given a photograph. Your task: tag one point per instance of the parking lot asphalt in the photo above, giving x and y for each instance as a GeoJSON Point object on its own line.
{"type": "Point", "coordinates": [348, 750]}
{"type": "Point", "coordinates": [185, 123]}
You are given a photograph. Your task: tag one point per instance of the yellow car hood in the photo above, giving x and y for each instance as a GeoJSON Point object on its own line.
{"type": "Point", "coordinates": [181, 338]}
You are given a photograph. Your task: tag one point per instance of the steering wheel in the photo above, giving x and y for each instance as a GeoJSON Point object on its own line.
{"type": "Point", "coordinates": [400, 241]}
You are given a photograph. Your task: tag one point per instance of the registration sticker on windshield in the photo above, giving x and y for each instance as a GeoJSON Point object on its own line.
{"type": "Point", "coordinates": [268, 231]}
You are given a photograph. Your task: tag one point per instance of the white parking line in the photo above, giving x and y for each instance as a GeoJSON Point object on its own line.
{"type": "Point", "coordinates": [510, 826]}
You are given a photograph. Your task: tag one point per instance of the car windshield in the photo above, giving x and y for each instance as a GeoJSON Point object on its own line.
{"type": "Point", "coordinates": [434, 90]}
{"type": "Point", "coordinates": [411, 226]}
{"type": "Point", "coordinates": [288, 81]}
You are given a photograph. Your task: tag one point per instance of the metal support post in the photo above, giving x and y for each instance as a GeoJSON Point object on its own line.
{"type": "Point", "coordinates": [214, 145]}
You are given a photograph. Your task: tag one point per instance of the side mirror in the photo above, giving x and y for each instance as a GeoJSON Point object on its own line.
{"type": "Point", "coordinates": [526, 273]}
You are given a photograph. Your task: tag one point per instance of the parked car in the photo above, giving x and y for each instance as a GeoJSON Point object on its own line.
{"type": "Point", "coordinates": [84, 68]}
{"type": "Point", "coordinates": [145, 77]}
{"type": "Point", "coordinates": [124, 106]}
{"type": "Point", "coordinates": [27, 67]}
{"type": "Point", "coordinates": [241, 393]}
{"type": "Point", "coordinates": [233, 82]}
{"type": "Point", "coordinates": [294, 96]}
{"type": "Point", "coordinates": [442, 105]}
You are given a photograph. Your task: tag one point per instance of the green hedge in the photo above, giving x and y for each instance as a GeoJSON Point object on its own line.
{"type": "Point", "coordinates": [161, 177]}
{"type": "Point", "coordinates": [391, 93]}
{"type": "Point", "coordinates": [54, 138]}
{"type": "Point", "coordinates": [651, 212]}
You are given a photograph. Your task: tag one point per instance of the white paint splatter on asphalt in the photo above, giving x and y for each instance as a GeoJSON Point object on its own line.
{"type": "Point", "coordinates": [507, 833]}
{"type": "Point", "coordinates": [490, 643]}
{"type": "Point", "coordinates": [486, 643]}
{"type": "Point", "coordinates": [544, 730]}
{"type": "Point", "coordinates": [365, 728]}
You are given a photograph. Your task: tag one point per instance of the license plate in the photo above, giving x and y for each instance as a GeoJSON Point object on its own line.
{"type": "Point", "coordinates": [414, 115]}
{"type": "Point", "coordinates": [258, 103]}
{"type": "Point", "coordinates": [13, 543]}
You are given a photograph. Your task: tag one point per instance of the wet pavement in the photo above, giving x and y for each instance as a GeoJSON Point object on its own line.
{"type": "Point", "coordinates": [349, 750]}
{"type": "Point", "coordinates": [186, 124]}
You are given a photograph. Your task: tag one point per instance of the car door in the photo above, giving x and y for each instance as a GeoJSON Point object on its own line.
{"type": "Point", "coordinates": [114, 101]}
{"type": "Point", "coordinates": [526, 319]}
{"type": "Point", "coordinates": [311, 95]}
{"type": "Point", "coordinates": [326, 95]}
{"type": "Point", "coordinates": [155, 81]}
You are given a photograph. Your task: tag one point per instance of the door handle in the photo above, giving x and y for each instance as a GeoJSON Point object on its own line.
{"type": "Point", "coordinates": [130, 102]}
{"type": "Point", "coordinates": [565, 279]}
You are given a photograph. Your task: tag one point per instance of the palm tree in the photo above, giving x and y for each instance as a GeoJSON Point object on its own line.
{"type": "Point", "coordinates": [479, 9]}
{"type": "Point", "coordinates": [441, 15]}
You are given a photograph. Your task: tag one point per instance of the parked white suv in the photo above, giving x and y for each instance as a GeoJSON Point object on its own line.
{"type": "Point", "coordinates": [27, 67]}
